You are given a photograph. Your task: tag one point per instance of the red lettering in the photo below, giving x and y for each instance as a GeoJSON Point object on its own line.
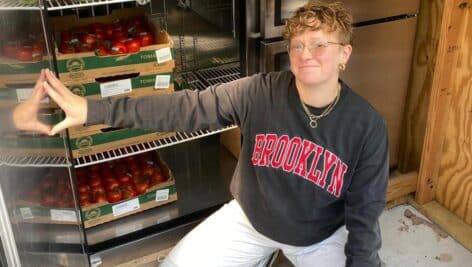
{"type": "Point", "coordinates": [292, 153]}
{"type": "Point", "coordinates": [329, 160]}
{"type": "Point", "coordinates": [258, 145]}
{"type": "Point", "coordinates": [314, 174]}
{"type": "Point", "coordinates": [337, 179]}
{"type": "Point", "coordinates": [281, 147]}
{"type": "Point", "coordinates": [268, 149]}
{"type": "Point", "coordinates": [308, 148]}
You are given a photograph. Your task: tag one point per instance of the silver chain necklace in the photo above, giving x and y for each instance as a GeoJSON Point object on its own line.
{"type": "Point", "coordinates": [314, 118]}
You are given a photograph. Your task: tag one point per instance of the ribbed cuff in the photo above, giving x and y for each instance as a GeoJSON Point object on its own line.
{"type": "Point", "coordinates": [96, 112]}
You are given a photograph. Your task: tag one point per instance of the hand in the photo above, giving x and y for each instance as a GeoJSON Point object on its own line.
{"type": "Point", "coordinates": [25, 114]}
{"type": "Point", "coordinates": [74, 106]}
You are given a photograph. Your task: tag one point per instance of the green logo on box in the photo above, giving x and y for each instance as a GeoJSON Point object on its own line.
{"type": "Point", "coordinates": [77, 89]}
{"type": "Point", "coordinates": [75, 64]}
{"type": "Point", "coordinates": [93, 213]}
{"type": "Point", "coordinates": [84, 142]}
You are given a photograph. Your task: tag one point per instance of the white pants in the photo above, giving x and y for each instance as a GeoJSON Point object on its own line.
{"type": "Point", "coordinates": [226, 238]}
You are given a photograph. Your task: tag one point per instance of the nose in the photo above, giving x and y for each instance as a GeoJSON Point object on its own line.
{"type": "Point", "coordinates": [306, 54]}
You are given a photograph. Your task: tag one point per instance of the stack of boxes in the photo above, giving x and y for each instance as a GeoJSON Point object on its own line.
{"type": "Point", "coordinates": [146, 72]}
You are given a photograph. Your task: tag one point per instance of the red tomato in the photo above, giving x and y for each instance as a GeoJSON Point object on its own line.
{"type": "Point", "coordinates": [37, 54]}
{"type": "Point", "coordinates": [112, 184]}
{"type": "Point", "coordinates": [66, 48]}
{"type": "Point", "coordinates": [118, 48]}
{"type": "Point", "coordinates": [148, 170]}
{"type": "Point", "coordinates": [84, 196]}
{"type": "Point", "coordinates": [145, 38]}
{"type": "Point", "coordinates": [117, 34]}
{"type": "Point", "coordinates": [83, 188]}
{"type": "Point", "coordinates": [114, 195]}
{"type": "Point", "coordinates": [24, 54]}
{"type": "Point", "coordinates": [125, 178]}
{"type": "Point", "coordinates": [141, 187]}
{"type": "Point", "coordinates": [122, 39]}
{"type": "Point", "coordinates": [100, 197]}
{"type": "Point", "coordinates": [127, 192]}
{"type": "Point", "coordinates": [133, 46]}
{"type": "Point", "coordinates": [97, 27]}
{"type": "Point", "coordinates": [158, 176]}
{"type": "Point", "coordinates": [89, 39]}
{"type": "Point", "coordinates": [101, 51]}
{"type": "Point", "coordinates": [85, 202]}
{"type": "Point", "coordinates": [108, 30]}
{"type": "Point", "coordinates": [98, 190]}
{"type": "Point", "coordinates": [94, 180]}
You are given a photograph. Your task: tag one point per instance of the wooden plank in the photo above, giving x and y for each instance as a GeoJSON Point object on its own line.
{"type": "Point", "coordinates": [419, 89]}
{"type": "Point", "coordinates": [452, 26]}
{"type": "Point", "coordinates": [454, 186]}
{"type": "Point", "coordinates": [400, 185]}
{"type": "Point", "coordinates": [449, 222]}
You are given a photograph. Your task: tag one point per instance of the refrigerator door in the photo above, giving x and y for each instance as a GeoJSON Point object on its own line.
{"type": "Point", "coordinates": [379, 70]}
{"type": "Point", "coordinates": [40, 221]}
{"type": "Point", "coordinates": [275, 12]}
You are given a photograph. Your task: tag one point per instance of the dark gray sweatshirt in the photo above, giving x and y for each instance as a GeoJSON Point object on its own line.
{"type": "Point", "coordinates": [297, 185]}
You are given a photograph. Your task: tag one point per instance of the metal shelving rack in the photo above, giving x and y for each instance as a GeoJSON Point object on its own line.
{"type": "Point", "coordinates": [197, 79]}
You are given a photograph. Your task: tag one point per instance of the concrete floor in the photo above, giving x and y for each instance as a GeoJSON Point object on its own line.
{"type": "Point", "coordinates": [408, 245]}
{"type": "Point", "coordinates": [405, 244]}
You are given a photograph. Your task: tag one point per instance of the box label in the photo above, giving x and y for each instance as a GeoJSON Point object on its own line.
{"type": "Point", "coordinates": [24, 94]}
{"type": "Point", "coordinates": [116, 88]}
{"type": "Point", "coordinates": [63, 215]}
{"type": "Point", "coordinates": [26, 213]}
{"type": "Point", "coordinates": [162, 82]}
{"type": "Point", "coordinates": [162, 195]}
{"type": "Point", "coordinates": [125, 207]}
{"type": "Point", "coordinates": [163, 55]}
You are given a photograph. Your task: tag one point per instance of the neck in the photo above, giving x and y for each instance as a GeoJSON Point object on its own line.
{"type": "Point", "coordinates": [320, 95]}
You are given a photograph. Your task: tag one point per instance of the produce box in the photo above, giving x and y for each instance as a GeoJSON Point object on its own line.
{"type": "Point", "coordinates": [117, 189]}
{"type": "Point", "coordinates": [125, 85]}
{"type": "Point", "coordinates": [98, 139]}
{"type": "Point", "coordinates": [17, 72]}
{"type": "Point", "coordinates": [76, 66]}
{"type": "Point", "coordinates": [14, 94]}
{"type": "Point", "coordinates": [50, 201]}
{"type": "Point", "coordinates": [23, 143]}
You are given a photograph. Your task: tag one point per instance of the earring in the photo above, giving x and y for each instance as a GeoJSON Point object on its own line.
{"type": "Point", "coordinates": [342, 66]}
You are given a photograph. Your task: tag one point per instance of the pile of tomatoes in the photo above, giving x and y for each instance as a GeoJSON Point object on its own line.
{"type": "Point", "coordinates": [119, 180]}
{"type": "Point", "coordinates": [31, 48]}
{"type": "Point", "coordinates": [119, 37]}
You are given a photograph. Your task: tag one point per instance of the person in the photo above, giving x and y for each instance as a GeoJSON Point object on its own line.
{"type": "Point", "coordinates": [312, 174]}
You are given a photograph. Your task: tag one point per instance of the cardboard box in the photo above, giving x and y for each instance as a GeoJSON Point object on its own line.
{"type": "Point", "coordinates": [143, 85]}
{"type": "Point", "coordinates": [12, 95]}
{"type": "Point", "coordinates": [82, 66]}
{"type": "Point", "coordinates": [18, 72]}
{"type": "Point", "coordinates": [159, 195]}
{"type": "Point", "coordinates": [104, 139]}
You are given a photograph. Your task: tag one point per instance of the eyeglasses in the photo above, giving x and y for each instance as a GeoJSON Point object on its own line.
{"type": "Point", "coordinates": [313, 48]}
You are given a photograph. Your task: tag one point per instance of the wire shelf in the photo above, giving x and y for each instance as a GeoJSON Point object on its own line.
{"type": "Point", "coordinates": [220, 74]}
{"type": "Point", "coordinates": [55, 4]}
{"type": "Point", "coordinates": [34, 161]}
{"type": "Point", "coordinates": [144, 147]}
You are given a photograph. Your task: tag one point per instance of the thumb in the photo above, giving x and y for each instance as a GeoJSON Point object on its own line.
{"type": "Point", "coordinates": [66, 123]}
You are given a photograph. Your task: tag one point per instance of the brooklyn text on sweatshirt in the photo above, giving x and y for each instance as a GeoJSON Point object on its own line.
{"type": "Point", "coordinates": [292, 156]}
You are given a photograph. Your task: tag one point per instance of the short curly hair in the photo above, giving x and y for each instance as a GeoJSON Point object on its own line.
{"type": "Point", "coordinates": [319, 15]}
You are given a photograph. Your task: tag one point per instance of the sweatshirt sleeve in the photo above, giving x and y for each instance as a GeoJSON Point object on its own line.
{"type": "Point", "coordinates": [186, 110]}
{"type": "Point", "coordinates": [365, 200]}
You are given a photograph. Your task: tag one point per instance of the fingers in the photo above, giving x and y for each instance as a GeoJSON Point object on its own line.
{"type": "Point", "coordinates": [56, 84]}
{"type": "Point", "coordinates": [54, 95]}
{"type": "Point", "coordinates": [38, 91]}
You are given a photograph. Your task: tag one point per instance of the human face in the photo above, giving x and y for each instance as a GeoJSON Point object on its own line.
{"type": "Point", "coordinates": [315, 57]}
